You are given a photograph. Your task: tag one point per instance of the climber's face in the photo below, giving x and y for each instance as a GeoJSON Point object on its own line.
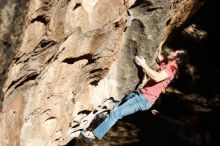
{"type": "Point", "coordinates": [172, 55]}
{"type": "Point", "coordinates": [162, 57]}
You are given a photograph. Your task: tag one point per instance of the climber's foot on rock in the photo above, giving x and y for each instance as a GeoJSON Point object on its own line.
{"type": "Point", "coordinates": [88, 135]}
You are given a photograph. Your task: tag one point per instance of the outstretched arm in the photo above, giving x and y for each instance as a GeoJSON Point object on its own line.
{"type": "Point", "coordinates": [156, 76]}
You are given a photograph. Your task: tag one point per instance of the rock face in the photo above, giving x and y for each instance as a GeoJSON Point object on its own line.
{"type": "Point", "coordinates": [11, 19]}
{"type": "Point", "coordinates": [76, 60]}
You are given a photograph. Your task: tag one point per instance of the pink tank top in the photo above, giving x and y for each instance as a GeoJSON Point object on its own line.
{"type": "Point", "coordinates": [152, 89]}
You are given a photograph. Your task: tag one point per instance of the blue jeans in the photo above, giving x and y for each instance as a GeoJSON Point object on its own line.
{"type": "Point", "coordinates": [134, 102]}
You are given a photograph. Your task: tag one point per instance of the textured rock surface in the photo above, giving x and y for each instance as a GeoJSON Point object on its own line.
{"type": "Point", "coordinates": [11, 22]}
{"type": "Point", "coordinates": [76, 60]}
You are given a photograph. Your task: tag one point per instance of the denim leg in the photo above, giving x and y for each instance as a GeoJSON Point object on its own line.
{"type": "Point", "coordinates": [125, 98]}
{"type": "Point", "coordinates": [129, 96]}
{"type": "Point", "coordinates": [137, 103]}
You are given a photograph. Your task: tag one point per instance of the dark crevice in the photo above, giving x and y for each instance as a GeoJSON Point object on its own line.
{"type": "Point", "coordinates": [95, 111]}
{"type": "Point", "coordinates": [46, 3]}
{"type": "Point", "coordinates": [95, 83]}
{"type": "Point", "coordinates": [76, 6]}
{"type": "Point", "coordinates": [84, 112]}
{"type": "Point", "coordinates": [46, 43]}
{"type": "Point", "coordinates": [16, 59]}
{"type": "Point", "coordinates": [45, 111]}
{"type": "Point", "coordinates": [32, 113]}
{"type": "Point", "coordinates": [129, 14]}
{"type": "Point", "coordinates": [74, 93]}
{"type": "Point", "coordinates": [7, 44]}
{"type": "Point", "coordinates": [74, 124]}
{"type": "Point", "coordinates": [41, 18]}
{"type": "Point", "coordinates": [112, 99]}
{"type": "Point", "coordinates": [42, 46]}
{"type": "Point", "coordinates": [77, 125]}
{"type": "Point", "coordinates": [153, 9]}
{"type": "Point", "coordinates": [168, 21]}
{"type": "Point", "coordinates": [29, 78]}
{"type": "Point", "coordinates": [96, 70]}
{"type": "Point", "coordinates": [50, 118]}
{"type": "Point", "coordinates": [104, 107]}
{"type": "Point", "coordinates": [144, 6]}
{"type": "Point", "coordinates": [13, 83]}
{"type": "Point", "coordinates": [23, 61]}
{"type": "Point", "coordinates": [71, 123]}
{"type": "Point", "coordinates": [74, 100]}
{"type": "Point", "coordinates": [57, 54]}
{"type": "Point", "coordinates": [88, 57]}
{"type": "Point", "coordinates": [142, 3]}
{"type": "Point", "coordinates": [116, 24]}
{"type": "Point", "coordinates": [75, 121]}
{"type": "Point", "coordinates": [96, 78]}
{"type": "Point", "coordinates": [119, 23]}
{"type": "Point", "coordinates": [50, 60]}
